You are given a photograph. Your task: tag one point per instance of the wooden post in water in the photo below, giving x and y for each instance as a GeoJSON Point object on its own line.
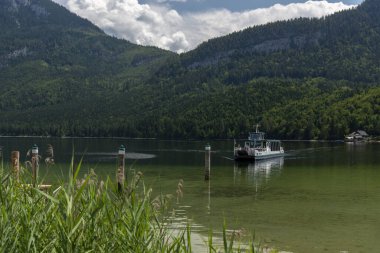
{"type": "Point", "coordinates": [15, 159]}
{"type": "Point", "coordinates": [120, 174]}
{"type": "Point", "coordinates": [1, 157]}
{"type": "Point", "coordinates": [207, 162]}
{"type": "Point", "coordinates": [35, 165]}
{"type": "Point", "coordinates": [209, 198]}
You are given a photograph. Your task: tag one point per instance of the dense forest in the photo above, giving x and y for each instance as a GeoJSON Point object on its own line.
{"type": "Point", "coordinates": [50, 56]}
{"type": "Point", "coordinates": [300, 79]}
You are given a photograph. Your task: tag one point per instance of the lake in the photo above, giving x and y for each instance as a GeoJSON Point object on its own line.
{"type": "Point", "coordinates": [321, 197]}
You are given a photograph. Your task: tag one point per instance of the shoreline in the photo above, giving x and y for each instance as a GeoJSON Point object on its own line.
{"type": "Point", "coordinates": [375, 140]}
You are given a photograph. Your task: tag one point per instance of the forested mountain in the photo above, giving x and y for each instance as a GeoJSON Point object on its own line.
{"type": "Point", "coordinates": [50, 56]}
{"type": "Point", "coordinates": [307, 66]}
{"type": "Point", "coordinates": [301, 79]}
{"type": "Point", "coordinates": [340, 46]}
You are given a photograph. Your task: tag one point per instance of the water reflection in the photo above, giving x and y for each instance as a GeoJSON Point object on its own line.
{"type": "Point", "coordinates": [112, 156]}
{"type": "Point", "coordinates": [257, 172]}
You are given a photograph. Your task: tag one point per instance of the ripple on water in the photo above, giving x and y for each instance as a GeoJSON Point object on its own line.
{"type": "Point", "coordinates": [106, 156]}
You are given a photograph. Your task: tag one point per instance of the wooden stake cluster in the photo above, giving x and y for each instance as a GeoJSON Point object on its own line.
{"type": "Point", "coordinates": [120, 174]}
{"type": "Point", "coordinates": [15, 159]}
{"type": "Point", "coordinates": [15, 163]}
{"type": "Point", "coordinates": [207, 162]}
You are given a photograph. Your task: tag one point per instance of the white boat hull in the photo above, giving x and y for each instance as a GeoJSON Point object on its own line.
{"type": "Point", "coordinates": [267, 155]}
{"type": "Point", "coordinates": [260, 156]}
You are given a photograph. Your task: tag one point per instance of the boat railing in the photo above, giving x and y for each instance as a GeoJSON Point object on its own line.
{"type": "Point", "coordinates": [261, 149]}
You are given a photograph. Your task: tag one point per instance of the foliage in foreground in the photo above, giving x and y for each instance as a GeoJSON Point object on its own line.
{"type": "Point", "coordinates": [89, 215]}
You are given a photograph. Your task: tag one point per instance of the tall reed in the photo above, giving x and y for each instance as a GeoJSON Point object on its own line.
{"type": "Point", "coordinates": [85, 215]}
{"type": "Point", "coordinates": [89, 215]}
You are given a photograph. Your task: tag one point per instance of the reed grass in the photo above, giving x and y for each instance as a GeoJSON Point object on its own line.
{"type": "Point", "coordinates": [90, 215]}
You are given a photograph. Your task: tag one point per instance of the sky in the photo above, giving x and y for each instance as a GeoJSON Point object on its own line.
{"type": "Point", "coordinates": [181, 25]}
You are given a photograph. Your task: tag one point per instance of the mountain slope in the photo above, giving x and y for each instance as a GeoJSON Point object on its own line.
{"type": "Point", "coordinates": [300, 79]}
{"type": "Point", "coordinates": [335, 54]}
{"type": "Point", "coordinates": [337, 47]}
{"type": "Point", "coordinates": [50, 56]}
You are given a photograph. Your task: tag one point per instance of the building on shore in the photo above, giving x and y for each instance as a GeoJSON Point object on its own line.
{"type": "Point", "coordinates": [358, 135]}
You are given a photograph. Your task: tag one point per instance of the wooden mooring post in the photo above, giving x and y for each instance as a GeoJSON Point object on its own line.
{"type": "Point", "coordinates": [209, 197]}
{"type": "Point", "coordinates": [120, 174]}
{"type": "Point", "coordinates": [207, 162]}
{"type": "Point", "coordinates": [15, 161]}
{"type": "Point", "coordinates": [35, 165]}
{"type": "Point", "coordinates": [1, 157]}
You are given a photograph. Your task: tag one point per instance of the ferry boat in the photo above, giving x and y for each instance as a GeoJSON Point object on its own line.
{"type": "Point", "coordinates": [258, 148]}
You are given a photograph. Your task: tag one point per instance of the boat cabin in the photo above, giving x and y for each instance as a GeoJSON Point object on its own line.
{"type": "Point", "coordinates": [256, 136]}
{"type": "Point", "coordinates": [273, 145]}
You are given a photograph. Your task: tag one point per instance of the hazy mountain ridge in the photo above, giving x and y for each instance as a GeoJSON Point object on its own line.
{"type": "Point", "coordinates": [19, 14]}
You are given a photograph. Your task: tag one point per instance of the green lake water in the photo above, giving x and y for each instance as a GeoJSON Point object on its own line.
{"type": "Point", "coordinates": [321, 197]}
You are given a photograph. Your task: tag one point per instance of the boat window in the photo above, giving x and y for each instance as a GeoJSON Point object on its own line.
{"type": "Point", "coordinates": [274, 145]}
{"type": "Point", "coordinates": [256, 136]}
{"type": "Point", "coordinates": [277, 147]}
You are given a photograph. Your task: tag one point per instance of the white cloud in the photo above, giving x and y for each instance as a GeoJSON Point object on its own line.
{"type": "Point", "coordinates": [165, 28]}
{"type": "Point", "coordinates": [165, 1]}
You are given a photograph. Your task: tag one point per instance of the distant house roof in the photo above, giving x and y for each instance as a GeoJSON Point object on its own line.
{"type": "Point", "coordinates": [359, 133]}
{"type": "Point", "coordinates": [362, 133]}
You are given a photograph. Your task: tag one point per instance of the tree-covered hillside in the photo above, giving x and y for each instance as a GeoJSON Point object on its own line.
{"type": "Point", "coordinates": [301, 79]}
{"type": "Point", "coordinates": [318, 61]}
{"type": "Point", "coordinates": [50, 56]}
{"type": "Point", "coordinates": [344, 45]}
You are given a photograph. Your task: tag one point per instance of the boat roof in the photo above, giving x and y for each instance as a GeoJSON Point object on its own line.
{"type": "Point", "coordinates": [256, 136]}
{"type": "Point", "coordinates": [270, 140]}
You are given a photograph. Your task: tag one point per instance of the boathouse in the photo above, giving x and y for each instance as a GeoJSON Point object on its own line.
{"type": "Point", "coordinates": [358, 135]}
